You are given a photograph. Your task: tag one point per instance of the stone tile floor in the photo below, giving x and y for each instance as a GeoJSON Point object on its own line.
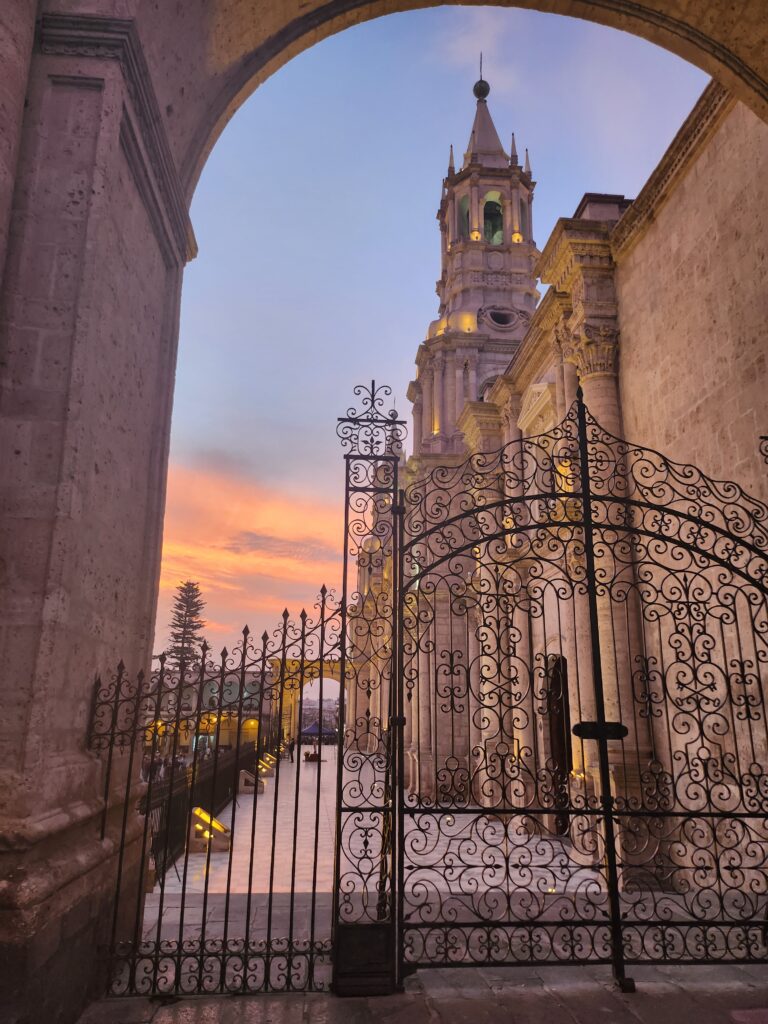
{"type": "Point", "coordinates": [562, 995]}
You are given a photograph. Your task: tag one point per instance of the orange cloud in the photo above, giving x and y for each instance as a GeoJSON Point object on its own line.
{"type": "Point", "coordinates": [254, 551]}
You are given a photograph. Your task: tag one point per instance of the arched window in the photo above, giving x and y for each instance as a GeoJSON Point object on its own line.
{"type": "Point", "coordinates": [493, 219]}
{"type": "Point", "coordinates": [463, 217]}
{"type": "Point", "coordinates": [525, 227]}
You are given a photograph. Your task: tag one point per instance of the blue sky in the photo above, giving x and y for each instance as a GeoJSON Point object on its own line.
{"type": "Point", "coordinates": [319, 249]}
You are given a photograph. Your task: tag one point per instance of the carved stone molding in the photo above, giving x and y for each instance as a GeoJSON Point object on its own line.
{"type": "Point", "coordinates": [514, 317]}
{"type": "Point", "coordinates": [539, 409]}
{"type": "Point", "coordinates": [713, 105]}
{"type": "Point", "coordinates": [575, 246]}
{"type": "Point", "coordinates": [107, 38]}
{"type": "Point", "coordinates": [481, 425]}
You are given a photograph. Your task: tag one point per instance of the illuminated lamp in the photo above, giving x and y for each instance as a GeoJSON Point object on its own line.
{"type": "Point", "coordinates": [475, 236]}
{"type": "Point", "coordinates": [517, 237]}
{"type": "Point", "coordinates": [208, 832]}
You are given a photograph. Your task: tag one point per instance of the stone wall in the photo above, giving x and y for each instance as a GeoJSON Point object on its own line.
{"type": "Point", "coordinates": [88, 333]}
{"type": "Point", "coordinates": [17, 23]}
{"type": "Point", "coordinates": [693, 302]}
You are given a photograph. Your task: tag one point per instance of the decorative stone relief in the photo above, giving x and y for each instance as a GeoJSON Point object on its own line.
{"type": "Point", "coordinates": [596, 350]}
{"type": "Point", "coordinates": [539, 409]}
{"type": "Point", "coordinates": [503, 318]}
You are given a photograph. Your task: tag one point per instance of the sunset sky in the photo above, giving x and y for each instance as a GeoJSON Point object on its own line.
{"type": "Point", "coordinates": [319, 250]}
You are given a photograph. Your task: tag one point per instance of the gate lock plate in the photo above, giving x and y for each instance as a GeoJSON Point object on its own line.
{"type": "Point", "coordinates": [598, 731]}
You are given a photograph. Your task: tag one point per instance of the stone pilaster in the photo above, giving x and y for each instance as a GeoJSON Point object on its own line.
{"type": "Point", "coordinates": [578, 262]}
{"type": "Point", "coordinates": [88, 331]}
{"type": "Point", "coordinates": [481, 424]}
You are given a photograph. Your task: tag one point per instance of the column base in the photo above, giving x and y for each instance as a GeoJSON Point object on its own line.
{"type": "Point", "coordinates": [56, 902]}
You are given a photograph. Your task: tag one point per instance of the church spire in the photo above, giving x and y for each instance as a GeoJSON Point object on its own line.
{"type": "Point", "coordinates": [487, 287]}
{"type": "Point", "coordinates": [484, 143]}
{"type": "Point", "coordinates": [527, 167]}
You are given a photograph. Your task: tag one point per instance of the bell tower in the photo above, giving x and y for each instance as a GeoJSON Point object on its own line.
{"type": "Point", "coordinates": [487, 288]}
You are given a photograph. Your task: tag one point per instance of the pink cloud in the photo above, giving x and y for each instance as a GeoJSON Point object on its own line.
{"type": "Point", "coordinates": [254, 551]}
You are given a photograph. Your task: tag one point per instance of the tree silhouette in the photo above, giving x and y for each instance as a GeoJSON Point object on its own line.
{"type": "Point", "coordinates": [186, 625]}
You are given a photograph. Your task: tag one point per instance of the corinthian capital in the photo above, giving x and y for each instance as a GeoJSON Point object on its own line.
{"type": "Point", "coordinates": [595, 349]}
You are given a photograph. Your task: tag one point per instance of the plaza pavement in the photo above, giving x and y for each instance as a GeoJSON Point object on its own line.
{"type": "Point", "coordinates": [490, 995]}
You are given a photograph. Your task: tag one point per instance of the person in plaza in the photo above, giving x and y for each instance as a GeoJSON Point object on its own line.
{"type": "Point", "coordinates": [291, 747]}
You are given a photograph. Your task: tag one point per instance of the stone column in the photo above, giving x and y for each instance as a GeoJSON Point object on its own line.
{"type": "Point", "coordinates": [438, 365]}
{"type": "Point", "coordinates": [426, 401]}
{"type": "Point", "coordinates": [595, 353]}
{"type": "Point", "coordinates": [570, 383]}
{"type": "Point", "coordinates": [417, 425]}
{"type": "Point", "coordinates": [472, 396]}
{"type": "Point", "coordinates": [516, 210]}
{"type": "Point", "coordinates": [512, 431]}
{"type": "Point", "coordinates": [566, 360]}
{"type": "Point", "coordinates": [449, 395]}
{"type": "Point", "coordinates": [475, 219]}
{"type": "Point", "coordinates": [459, 388]}
{"type": "Point", "coordinates": [506, 207]}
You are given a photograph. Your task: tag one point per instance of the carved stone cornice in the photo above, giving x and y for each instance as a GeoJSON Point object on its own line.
{"type": "Point", "coordinates": [108, 38]}
{"type": "Point", "coordinates": [480, 423]}
{"type": "Point", "coordinates": [710, 110]}
{"type": "Point", "coordinates": [575, 246]}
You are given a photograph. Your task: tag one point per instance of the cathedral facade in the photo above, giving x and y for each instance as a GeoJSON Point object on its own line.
{"type": "Point", "coordinates": [500, 659]}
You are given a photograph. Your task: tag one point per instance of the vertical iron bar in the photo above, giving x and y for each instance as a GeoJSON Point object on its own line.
{"type": "Point", "coordinates": [296, 781]}
{"type": "Point", "coordinates": [211, 811]}
{"type": "Point", "coordinates": [321, 655]}
{"type": "Point", "coordinates": [195, 717]}
{"type": "Point", "coordinates": [254, 810]}
{"type": "Point", "coordinates": [132, 733]}
{"type": "Point", "coordinates": [235, 793]}
{"type": "Point", "coordinates": [398, 873]}
{"type": "Point", "coordinates": [168, 818]}
{"type": "Point", "coordinates": [110, 747]}
{"type": "Point", "coordinates": [337, 867]}
{"type": "Point", "coordinates": [270, 897]}
{"type": "Point", "coordinates": [147, 811]}
{"type": "Point", "coordinates": [606, 797]}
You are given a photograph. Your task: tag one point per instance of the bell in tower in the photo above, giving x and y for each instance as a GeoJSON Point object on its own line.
{"type": "Point", "coordinates": [487, 289]}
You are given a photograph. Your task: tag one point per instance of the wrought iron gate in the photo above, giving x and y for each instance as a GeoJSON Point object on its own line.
{"type": "Point", "coordinates": [570, 639]}
{"type": "Point", "coordinates": [552, 665]}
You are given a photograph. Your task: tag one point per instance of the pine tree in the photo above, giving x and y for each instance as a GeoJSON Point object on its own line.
{"type": "Point", "coordinates": [186, 625]}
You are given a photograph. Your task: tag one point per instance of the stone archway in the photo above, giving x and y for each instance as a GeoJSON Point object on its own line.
{"type": "Point", "coordinates": [246, 50]}
{"type": "Point", "coordinates": [108, 112]}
